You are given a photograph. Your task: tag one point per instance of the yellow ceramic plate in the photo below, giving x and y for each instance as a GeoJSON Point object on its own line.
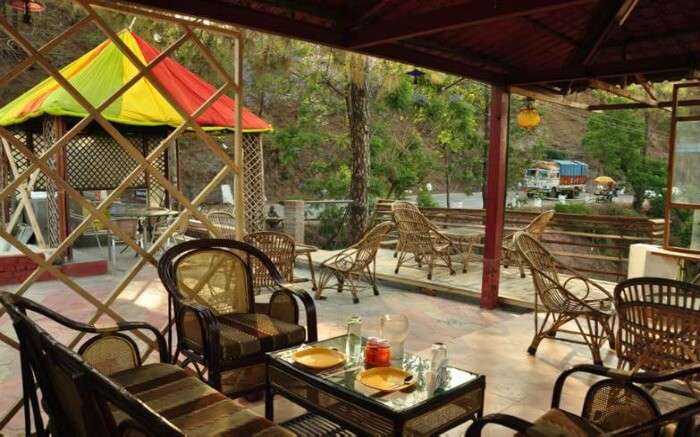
{"type": "Point", "coordinates": [319, 357]}
{"type": "Point", "coordinates": [385, 378]}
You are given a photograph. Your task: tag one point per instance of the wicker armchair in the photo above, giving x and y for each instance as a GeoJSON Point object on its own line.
{"type": "Point", "coordinates": [108, 391]}
{"type": "Point", "coordinates": [224, 222]}
{"type": "Point", "coordinates": [535, 228]}
{"type": "Point", "coordinates": [280, 249]}
{"type": "Point", "coordinates": [614, 406]}
{"type": "Point", "coordinates": [593, 316]}
{"type": "Point", "coordinates": [659, 325]}
{"type": "Point", "coordinates": [218, 324]}
{"type": "Point", "coordinates": [355, 263]}
{"type": "Point", "coordinates": [421, 240]}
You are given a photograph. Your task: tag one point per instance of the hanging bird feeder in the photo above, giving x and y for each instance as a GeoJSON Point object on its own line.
{"type": "Point", "coordinates": [528, 117]}
{"type": "Point", "coordinates": [415, 74]}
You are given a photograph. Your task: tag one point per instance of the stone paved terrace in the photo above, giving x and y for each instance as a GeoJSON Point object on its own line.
{"type": "Point", "coordinates": [514, 290]}
{"type": "Point", "coordinates": [493, 343]}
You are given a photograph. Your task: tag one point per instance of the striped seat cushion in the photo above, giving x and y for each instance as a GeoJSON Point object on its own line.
{"type": "Point", "coordinates": [245, 335]}
{"type": "Point", "coordinates": [191, 405]}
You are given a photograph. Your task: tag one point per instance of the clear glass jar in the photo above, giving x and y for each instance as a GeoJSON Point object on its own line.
{"type": "Point", "coordinates": [353, 346]}
{"type": "Point", "coordinates": [394, 329]}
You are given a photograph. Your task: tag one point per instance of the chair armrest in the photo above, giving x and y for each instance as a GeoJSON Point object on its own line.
{"type": "Point", "coordinates": [205, 332]}
{"type": "Point", "coordinates": [26, 304]}
{"type": "Point", "coordinates": [593, 369]}
{"type": "Point", "coordinates": [512, 422]}
{"type": "Point", "coordinates": [290, 290]}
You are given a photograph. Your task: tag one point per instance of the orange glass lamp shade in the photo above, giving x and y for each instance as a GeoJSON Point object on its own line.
{"type": "Point", "coordinates": [528, 117]}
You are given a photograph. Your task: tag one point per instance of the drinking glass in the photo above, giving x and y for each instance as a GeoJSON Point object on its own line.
{"type": "Point", "coordinates": [394, 329]}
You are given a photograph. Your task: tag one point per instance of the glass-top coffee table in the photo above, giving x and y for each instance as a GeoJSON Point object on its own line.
{"type": "Point", "coordinates": [433, 405]}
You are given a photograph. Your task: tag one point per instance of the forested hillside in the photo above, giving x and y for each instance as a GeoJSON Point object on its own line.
{"type": "Point", "coordinates": [421, 129]}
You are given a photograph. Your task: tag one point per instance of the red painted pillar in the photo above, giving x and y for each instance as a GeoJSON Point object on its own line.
{"type": "Point", "coordinates": [495, 194]}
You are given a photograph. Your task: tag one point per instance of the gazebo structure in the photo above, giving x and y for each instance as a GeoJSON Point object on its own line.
{"type": "Point", "coordinates": [95, 160]}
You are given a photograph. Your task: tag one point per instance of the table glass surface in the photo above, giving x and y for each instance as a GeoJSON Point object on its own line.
{"type": "Point", "coordinates": [427, 386]}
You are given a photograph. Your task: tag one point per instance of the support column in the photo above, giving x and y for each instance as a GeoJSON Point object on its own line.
{"type": "Point", "coordinates": [495, 194]}
{"type": "Point", "coordinates": [239, 185]}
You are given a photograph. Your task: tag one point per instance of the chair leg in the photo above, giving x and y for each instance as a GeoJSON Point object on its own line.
{"type": "Point", "coordinates": [592, 337]}
{"type": "Point", "coordinates": [539, 333]}
{"type": "Point", "coordinates": [372, 274]}
{"type": "Point", "coordinates": [521, 266]}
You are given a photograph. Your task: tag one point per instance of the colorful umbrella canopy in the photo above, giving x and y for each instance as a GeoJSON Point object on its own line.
{"type": "Point", "coordinates": [101, 71]}
{"type": "Point", "coordinates": [604, 180]}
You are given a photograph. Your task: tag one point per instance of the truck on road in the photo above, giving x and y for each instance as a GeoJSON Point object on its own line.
{"type": "Point", "coordinates": [559, 176]}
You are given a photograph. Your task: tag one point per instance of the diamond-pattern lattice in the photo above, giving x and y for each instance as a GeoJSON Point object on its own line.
{"type": "Point", "coordinates": [62, 139]}
{"type": "Point", "coordinates": [254, 179]}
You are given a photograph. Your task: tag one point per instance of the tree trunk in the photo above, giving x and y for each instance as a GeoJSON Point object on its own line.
{"type": "Point", "coordinates": [358, 120]}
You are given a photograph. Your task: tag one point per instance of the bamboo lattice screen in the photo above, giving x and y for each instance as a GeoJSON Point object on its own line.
{"type": "Point", "coordinates": [141, 158]}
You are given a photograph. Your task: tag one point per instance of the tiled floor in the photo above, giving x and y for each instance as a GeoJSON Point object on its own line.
{"type": "Point", "coordinates": [514, 290]}
{"type": "Point", "coordinates": [493, 343]}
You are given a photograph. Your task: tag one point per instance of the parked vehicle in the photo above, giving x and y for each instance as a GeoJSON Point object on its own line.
{"type": "Point", "coordinates": [552, 178]}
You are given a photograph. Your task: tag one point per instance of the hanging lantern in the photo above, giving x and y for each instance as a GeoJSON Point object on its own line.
{"type": "Point", "coordinates": [415, 74]}
{"type": "Point", "coordinates": [528, 117]}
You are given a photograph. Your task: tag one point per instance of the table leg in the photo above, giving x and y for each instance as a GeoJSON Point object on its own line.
{"type": "Point", "coordinates": [311, 269]}
{"type": "Point", "coordinates": [269, 403]}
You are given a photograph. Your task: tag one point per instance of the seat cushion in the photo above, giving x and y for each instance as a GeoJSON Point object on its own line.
{"type": "Point", "coordinates": [190, 404]}
{"type": "Point", "coordinates": [246, 335]}
{"type": "Point", "coordinates": [560, 423]}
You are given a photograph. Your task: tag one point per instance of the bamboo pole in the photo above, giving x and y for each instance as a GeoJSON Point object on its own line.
{"type": "Point", "coordinates": [238, 140]}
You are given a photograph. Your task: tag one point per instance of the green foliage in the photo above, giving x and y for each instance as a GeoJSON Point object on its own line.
{"type": "Point", "coordinates": [332, 229]}
{"type": "Point", "coordinates": [617, 141]}
{"type": "Point", "coordinates": [551, 153]}
{"type": "Point", "coordinates": [425, 199]}
{"type": "Point", "coordinates": [573, 208]}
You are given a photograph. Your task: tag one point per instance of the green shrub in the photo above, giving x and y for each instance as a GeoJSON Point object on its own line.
{"type": "Point", "coordinates": [332, 229]}
{"type": "Point", "coordinates": [573, 208]}
{"type": "Point", "coordinates": [425, 200]}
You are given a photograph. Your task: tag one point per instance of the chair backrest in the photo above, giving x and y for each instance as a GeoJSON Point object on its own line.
{"type": "Point", "coordinates": [659, 323]}
{"type": "Point", "coordinates": [543, 267]}
{"type": "Point", "coordinates": [414, 228]}
{"type": "Point", "coordinates": [215, 273]}
{"type": "Point", "coordinates": [537, 226]}
{"type": "Point", "coordinates": [224, 222]}
{"type": "Point", "coordinates": [369, 244]}
{"type": "Point", "coordinates": [80, 401]}
{"type": "Point", "coordinates": [280, 249]}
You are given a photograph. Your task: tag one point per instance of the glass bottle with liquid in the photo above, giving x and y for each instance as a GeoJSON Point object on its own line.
{"type": "Point", "coordinates": [353, 347]}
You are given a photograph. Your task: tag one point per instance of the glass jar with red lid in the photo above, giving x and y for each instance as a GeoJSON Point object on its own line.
{"type": "Point", "coordinates": [377, 353]}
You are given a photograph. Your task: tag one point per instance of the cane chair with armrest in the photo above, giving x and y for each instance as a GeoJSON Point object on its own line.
{"type": "Point", "coordinates": [535, 229]}
{"type": "Point", "coordinates": [592, 315]}
{"type": "Point", "coordinates": [617, 405]}
{"type": "Point", "coordinates": [219, 325]}
{"type": "Point", "coordinates": [659, 325]}
{"type": "Point", "coordinates": [422, 240]}
{"type": "Point", "coordinates": [224, 222]}
{"type": "Point", "coordinates": [280, 249]}
{"type": "Point", "coordinates": [355, 263]}
{"type": "Point", "coordinates": [108, 391]}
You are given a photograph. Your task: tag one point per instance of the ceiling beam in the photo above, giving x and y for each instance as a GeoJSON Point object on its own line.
{"type": "Point", "coordinates": [649, 66]}
{"type": "Point", "coordinates": [551, 32]}
{"type": "Point", "coordinates": [549, 97]}
{"type": "Point", "coordinates": [648, 86]}
{"type": "Point", "coordinates": [621, 92]}
{"type": "Point", "coordinates": [450, 18]}
{"type": "Point", "coordinates": [606, 21]}
{"type": "Point", "coordinates": [622, 106]}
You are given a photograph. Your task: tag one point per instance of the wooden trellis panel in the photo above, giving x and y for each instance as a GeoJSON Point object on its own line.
{"type": "Point", "coordinates": [254, 180]}
{"type": "Point", "coordinates": [144, 161]}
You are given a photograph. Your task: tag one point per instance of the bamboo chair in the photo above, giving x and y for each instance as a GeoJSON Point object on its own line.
{"type": "Point", "coordinates": [593, 317]}
{"type": "Point", "coordinates": [613, 407]}
{"type": "Point", "coordinates": [219, 325]}
{"type": "Point", "coordinates": [535, 228]}
{"type": "Point", "coordinates": [106, 390]}
{"type": "Point", "coordinates": [224, 222]}
{"type": "Point", "coordinates": [354, 264]}
{"type": "Point", "coordinates": [421, 240]}
{"type": "Point", "coordinates": [280, 249]}
{"type": "Point", "coordinates": [659, 325]}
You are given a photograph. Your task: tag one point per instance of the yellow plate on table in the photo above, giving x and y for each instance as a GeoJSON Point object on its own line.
{"type": "Point", "coordinates": [386, 378]}
{"type": "Point", "coordinates": [319, 357]}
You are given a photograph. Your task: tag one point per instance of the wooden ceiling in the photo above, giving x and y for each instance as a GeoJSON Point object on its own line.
{"type": "Point", "coordinates": [552, 45]}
